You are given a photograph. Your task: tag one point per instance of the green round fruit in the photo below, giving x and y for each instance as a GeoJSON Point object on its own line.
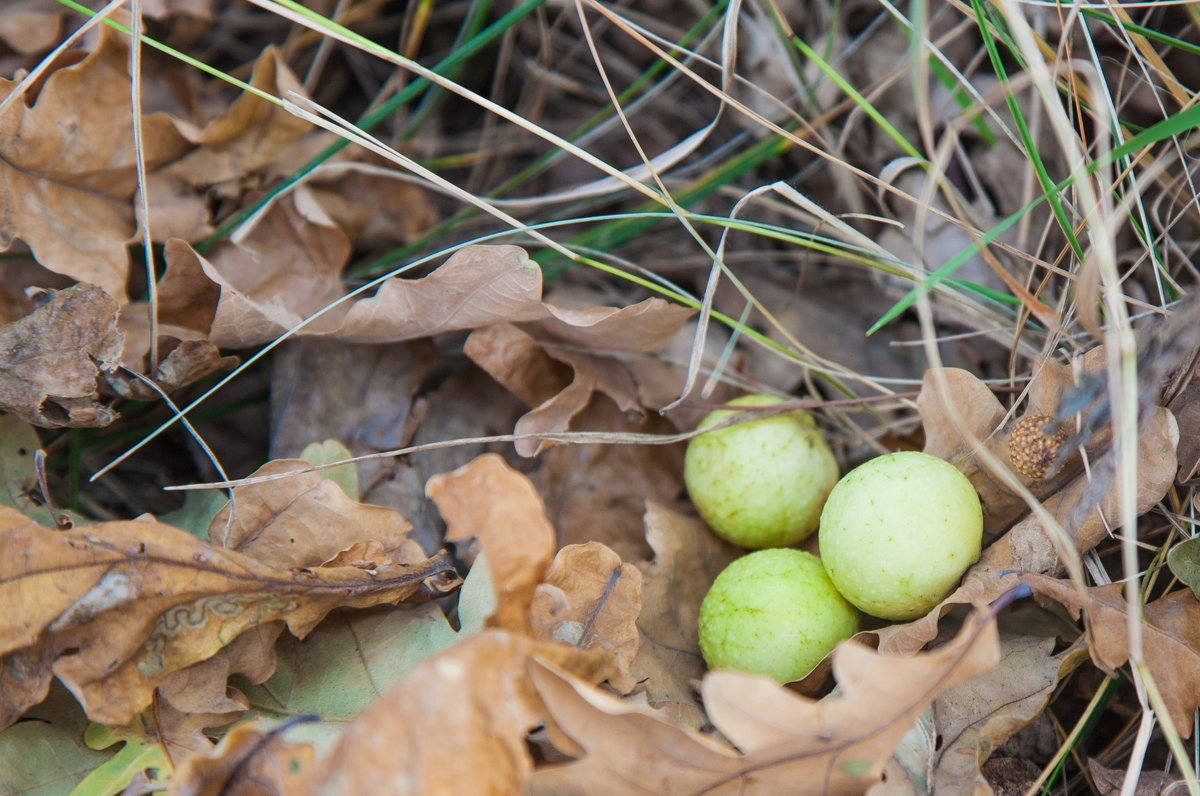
{"type": "Point", "coordinates": [773, 612]}
{"type": "Point", "coordinates": [761, 483]}
{"type": "Point", "coordinates": [898, 532]}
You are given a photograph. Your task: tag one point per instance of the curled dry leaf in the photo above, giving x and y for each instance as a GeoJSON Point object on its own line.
{"type": "Point", "coordinates": [306, 520]}
{"type": "Point", "coordinates": [114, 609]}
{"type": "Point", "coordinates": [545, 368]}
{"type": "Point", "coordinates": [286, 268]}
{"type": "Point", "coordinates": [590, 599]}
{"type": "Point", "coordinates": [51, 358]}
{"type": "Point", "coordinates": [67, 175]}
{"type": "Point", "coordinates": [1084, 502]}
{"type": "Point", "coordinates": [687, 558]}
{"type": "Point", "coordinates": [456, 723]}
{"type": "Point", "coordinates": [499, 507]}
{"type": "Point", "coordinates": [788, 743]}
{"type": "Point", "coordinates": [247, 760]}
{"type": "Point", "coordinates": [1170, 638]}
{"type": "Point", "coordinates": [975, 717]}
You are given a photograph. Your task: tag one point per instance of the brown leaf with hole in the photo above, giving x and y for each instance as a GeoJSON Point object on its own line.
{"type": "Point", "coordinates": [51, 358]}
{"type": "Point", "coordinates": [457, 723]}
{"type": "Point", "coordinates": [1170, 638]}
{"type": "Point", "coordinates": [114, 609]}
{"type": "Point", "coordinates": [590, 599]}
{"type": "Point", "coordinates": [67, 176]}
{"type": "Point", "coordinates": [788, 743]}
{"type": "Point", "coordinates": [687, 558]}
{"type": "Point", "coordinates": [246, 761]}
{"type": "Point", "coordinates": [497, 506]}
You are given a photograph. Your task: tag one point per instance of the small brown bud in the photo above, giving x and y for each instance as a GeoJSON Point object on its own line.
{"type": "Point", "coordinates": [1030, 449]}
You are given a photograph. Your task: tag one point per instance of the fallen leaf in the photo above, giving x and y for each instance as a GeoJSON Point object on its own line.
{"type": "Point", "coordinates": [29, 26]}
{"type": "Point", "coordinates": [305, 520]}
{"type": "Point", "coordinates": [145, 600]}
{"type": "Point", "coordinates": [975, 717]}
{"type": "Point", "coordinates": [474, 702]}
{"type": "Point", "coordinates": [687, 558]}
{"type": "Point", "coordinates": [247, 760]}
{"type": "Point", "coordinates": [352, 658]}
{"type": "Point", "coordinates": [377, 207]}
{"type": "Point", "coordinates": [67, 169]}
{"type": "Point", "coordinates": [248, 135]}
{"type": "Point", "coordinates": [597, 492]}
{"type": "Point", "coordinates": [1170, 639]}
{"type": "Point", "coordinates": [1184, 561]}
{"type": "Point", "coordinates": [46, 753]}
{"type": "Point", "coordinates": [52, 357]}
{"type": "Point", "coordinates": [286, 267]}
{"type": "Point", "coordinates": [499, 507]}
{"type": "Point", "coordinates": [788, 743]}
{"type": "Point", "coordinates": [532, 367]}
{"type": "Point", "coordinates": [588, 598]}
{"type": "Point", "coordinates": [1109, 781]}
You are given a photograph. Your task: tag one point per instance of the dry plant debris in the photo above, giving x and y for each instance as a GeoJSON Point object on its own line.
{"type": "Point", "coordinates": [501, 611]}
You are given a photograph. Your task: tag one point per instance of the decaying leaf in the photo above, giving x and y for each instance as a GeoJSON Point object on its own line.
{"type": "Point", "coordinates": [287, 266]}
{"type": "Point", "coordinates": [788, 743]}
{"type": "Point", "coordinates": [687, 558]}
{"type": "Point", "coordinates": [546, 368]}
{"type": "Point", "coordinates": [1170, 638]}
{"type": "Point", "coordinates": [975, 717]}
{"type": "Point", "coordinates": [499, 507]}
{"type": "Point", "coordinates": [114, 609]}
{"type": "Point", "coordinates": [67, 169]}
{"type": "Point", "coordinates": [247, 760]}
{"type": "Point", "coordinates": [474, 702]}
{"type": "Point", "coordinates": [590, 599]}
{"type": "Point", "coordinates": [598, 492]}
{"type": "Point", "coordinates": [51, 358]}
{"type": "Point", "coordinates": [305, 520]}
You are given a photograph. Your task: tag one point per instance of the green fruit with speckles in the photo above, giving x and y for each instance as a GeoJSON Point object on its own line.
{"type": "Point", "coordinates": [773, 612]}
{"type": "Point", "coordinates": [761, 483]}
{"type": "Point", "coordinates": [898, 532]}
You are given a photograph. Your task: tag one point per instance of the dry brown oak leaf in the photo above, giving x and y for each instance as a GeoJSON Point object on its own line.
{"type": "Point", "coordinates": [246, 761]}
{"type": "Point", "coordinates": [67, 175]}
{"type": "Point", "coordinates": [788, 743]}
{"type": "Point", "coordinates": [1170, 638]}
{"type": "Point", "coordinates": [1084, 506]}
{"type": "Point", "coordinates": [114, 609]}
{"type": "Point", "coordinates": [500, 509]}
{"type": "Point", "coordinates": [589, 598]}
{"type": "Point", "coordinates": [457, 723]}
{"type": "Point", "coordinates": [287, 268]}
{"type": "Point", "coordinates": [51, 358]}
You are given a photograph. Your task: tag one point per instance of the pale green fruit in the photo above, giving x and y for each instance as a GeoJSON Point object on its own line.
{"type": "Point", "coordinates": [773, 612]}
{"type": "Point", "coordinates": [898, 532]}
{"type": "Point", "coordinates": [761, 483]}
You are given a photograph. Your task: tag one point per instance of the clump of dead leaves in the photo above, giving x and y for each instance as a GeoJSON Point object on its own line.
{"type": "Point", "coordinates": [567, 661]}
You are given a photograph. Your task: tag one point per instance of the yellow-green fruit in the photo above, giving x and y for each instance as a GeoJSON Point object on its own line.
{"type": "Point", "coordinates": [761, 483]}
{"type": "Point", "coordinates": [773, 612]}
{"type": "Point", "coordinates": [898, 532]}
